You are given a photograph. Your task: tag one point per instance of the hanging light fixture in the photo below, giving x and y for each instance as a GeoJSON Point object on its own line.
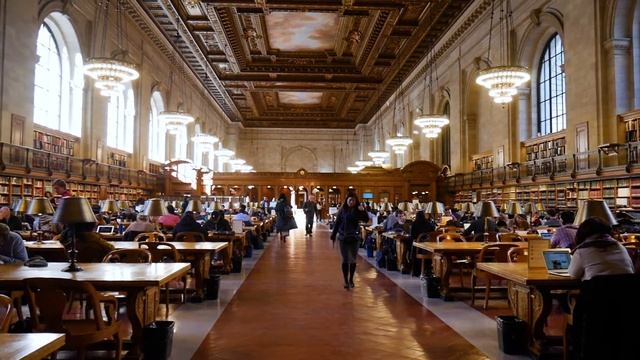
{"type": "Point", "coordinates": [354, 169]}
{"type": "Point", "coordinates": [399, 144]}
{"type": "Point", "coordinates": [502, 81]}
{"type": "Point", "coordinates": [236, 162]}
{"type": "Point", "coordinates": [224, 154]}
{"type": "Point", "coordinates": [431, 124]}
{"type": "Point", "coordinates": [110, 72]}
{"type": "Point", "coordinates": [207, 141]}
{"type": "Point", "coordinates": [175, 121]}
{"type": "Point", "coordinates": [377, 155]}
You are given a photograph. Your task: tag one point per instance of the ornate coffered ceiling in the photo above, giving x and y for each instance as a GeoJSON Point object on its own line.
{"type": "Point", "coordinates": [302, 63]}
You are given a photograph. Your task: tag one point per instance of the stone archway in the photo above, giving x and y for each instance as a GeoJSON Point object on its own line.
{"type": "Point", "coordinates": [299, 157]}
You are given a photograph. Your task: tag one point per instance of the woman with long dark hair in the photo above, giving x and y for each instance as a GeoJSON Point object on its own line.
{"type": "Point", "coordinates": [285, 220]}
{"type": "Point", "coordinates": [345, 230]}
{"type": "Point", "coordinates": [597, 252]}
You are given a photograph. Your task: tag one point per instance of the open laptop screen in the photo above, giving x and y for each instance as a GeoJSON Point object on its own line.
{"type": "Point", "coordinates": [105, 229]}
{"type": "Point", "coordinates": [557, 260]}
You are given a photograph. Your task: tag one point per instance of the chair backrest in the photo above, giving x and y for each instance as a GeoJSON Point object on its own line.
{"type": "Point", "coordinates": [450, 237]}
{"type": "Point", "coordinates": [48, 299]}
{"type": "Point", "coordinates": [161, 251]}
{"type": "Point", "coordinates": [509, 237]}
{"type": "Point", "coordinates": [630, 237]}
{"type": "Point", "coordinates": [518, 255]}
{"type": "Point", "coordinates": [131, 235]}
{"type": "Point", "coordinates": [130, 256]}
{"type": "Point", "coordinates": [495, 253]}
{"type": "Point", "coordinates": [150, 236]}
{"type": "Point", "coordinates": [6, 305]}
{"type": "Point", "coordinates": [189, 236]}
{"type": "Point", "coordinates": [603, 305]}
{"type": "Point", "coordinates": [426, 237]}
{"type": "Point", "coordinates": [491, 237]}
{"type": "Point", "coordinates": [450, 229]}
{"type": "Point", "coordinates": [633, 248]}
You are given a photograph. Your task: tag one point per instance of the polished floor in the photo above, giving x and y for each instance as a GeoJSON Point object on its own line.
{"type": "Point", "coordinates": [293, 306]}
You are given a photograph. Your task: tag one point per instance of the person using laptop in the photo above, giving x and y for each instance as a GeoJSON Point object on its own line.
{"type": "Point", "coordinates": [597, 252]}
{"type": "Point", "coordinates": [565, 236]}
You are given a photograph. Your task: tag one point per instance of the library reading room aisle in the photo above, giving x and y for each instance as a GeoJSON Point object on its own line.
{"type": "Point", "coordinates": [293, 306]}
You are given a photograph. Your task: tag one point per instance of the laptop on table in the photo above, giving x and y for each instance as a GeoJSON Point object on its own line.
{"type": "Point", "coordinates": [557, 261]}
{"type": "Point", "coordinates": [105, 229]}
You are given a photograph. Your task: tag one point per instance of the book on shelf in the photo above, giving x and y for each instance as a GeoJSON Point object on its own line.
{"type": "Point", "coordinates": [622, 192]}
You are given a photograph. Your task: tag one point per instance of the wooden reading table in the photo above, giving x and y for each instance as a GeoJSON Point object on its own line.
{"type": "Point", "coordinates": [530, 295]}
{"type": "Point", "coordinates": [401, 248]}
{"type": "Point", "coordinates": [30, 346]}
{"type": "Point", "coordinates": [141, 282]}
{"type": "Point", "coordinates": [444, 254]}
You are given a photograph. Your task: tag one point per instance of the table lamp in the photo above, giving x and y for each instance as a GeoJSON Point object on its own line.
{"type": "Point", "coordinates": [435, 209]}
{"type": "Point", "coordinates": [594, 208]}
{"type": "Point", "coordinates": [486, 209]}
{"type": "Point", "coordinates": [194, 206]}
{"type": "Point", "coordinates": [124, 204]}
{"type": "Point", "coordinates": [155, 208]}
{"type": "Point", "coordinates": [514, 208]}
{"type": "Point", "coordinates": [467, 207]}
{"type": "Point", "coordinates": [109, 207]}
{"type": "Point", "coordinates": [73, 210]}
{"type": "Point", "coordinates": [37, 207]}
{"type": "Point", "coordinates": [402, 206]}
{"type": "Point", "coordinates": [21, 206]}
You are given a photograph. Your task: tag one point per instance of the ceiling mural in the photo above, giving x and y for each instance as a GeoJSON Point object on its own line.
{"type": "Point", "coordinates": [305, 31]}
{"type": "Point", "coordinates": [301, 63]}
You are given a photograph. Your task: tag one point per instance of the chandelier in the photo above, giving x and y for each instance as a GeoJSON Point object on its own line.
{"type": "Point", "coordinates": [236, 162]}
{"type": "Point", "coordinates": [431, 124]}
{"type": "Point", "coordinates": [431, 131]}
{"type": "Point", "coordinates": [502, 81]}
{"type": "Point", "coordinates": [175, 121]}
{"type": "Point", "coordinates": [378, 157]}
{"type": "Point", "coordinates": [363, 163]}
{"type": "Point", "coordinates": [354, 169]}
{"type": "Point", "coordinates": [425, 121]}
{"type": "Point", "coordinates": [399, 144]}
{"type": "Point", "coordinates": [110, 73]}
{"type": "Point", "coordinates": [224, 154]}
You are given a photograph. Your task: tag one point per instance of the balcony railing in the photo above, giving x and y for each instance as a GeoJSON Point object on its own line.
{"type": "Point", "coordinates": [609, 157]}
{"type": "Point", "coordinates": [30, 161]}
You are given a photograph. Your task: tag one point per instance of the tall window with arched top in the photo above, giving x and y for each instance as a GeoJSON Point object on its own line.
{"type": "Point", "coordinates": [445, 140]}
{"type": "Point", "coordinates": [120, 117]}
{"type": "Point", "coordinates": [552, 113]}
{"type": "Point", "coordinates": [58, 80]}
{"type": "Point", "coordinates": [157, 133]}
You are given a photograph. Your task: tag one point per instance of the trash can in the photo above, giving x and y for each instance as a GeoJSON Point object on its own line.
{"type": "Point", "coordinates": [236, 264]}
{"type": "Point", "coordinates": [433, 286]}
{"type": "Point", "coordinates": [158, 339]}
{"type": "Point", "coordinates": [512, 334]}
{"type": "Point", "coordinates": [213, 286]}
{"type": "Point", "coordinates": [369, 247]}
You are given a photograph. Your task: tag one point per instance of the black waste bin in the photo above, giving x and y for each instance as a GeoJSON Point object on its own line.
{"type": "Point", "coordinates": [158, 339]}
{"type": "Point", "coordinates": [236, 264]}
{"type": "Point", "coordinates": [213, 286]}
{"type": "Point", "coordinates": [512, 334]}
{"type": "Point", "coordinates": [433, 286]}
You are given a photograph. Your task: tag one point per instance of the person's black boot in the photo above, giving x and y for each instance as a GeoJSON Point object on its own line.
{"type": "Point", "coordinates": [352, 271]}
{"type": "Point", "coordinates": [345, 274]}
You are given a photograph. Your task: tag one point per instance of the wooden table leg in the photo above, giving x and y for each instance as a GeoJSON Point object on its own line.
{"type": "Point", "coordinates": [201, 272]}
{"type": "Point", "coordinates": [227, 256]}
{"type": "Point", "coordinates": [532, 305]}
{"type": "Point", "coordinates": [442, 268]}
{"type": "Point", "coordinates": [142, 306]}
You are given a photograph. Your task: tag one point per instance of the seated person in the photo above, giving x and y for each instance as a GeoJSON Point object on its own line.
{"type": "Point", "coordinates": [552, 219]}
{"type": "Point", "coordinates": [477, 227]}
{"type": "Point", "coordinates": [141, 225]}
{"type": "Point", "coordinates": [243, 216]}
{"type": "Point", "coordinates": [188, 223]}
{"type": "Point", "coordinates": [217, 223]}
{"type": "Point", "coordinates": [169, 220]}
{"type": "Point", "coordinates": [421, 226]}
{"type": "Point", "coordinates": [597, 252]}
{"type": "Point", "coordinates": [11, 246]}
{"type": "Point", "coordinates": [6, 217]}
{"type": "Point", "coordinates": [502, 226]}
{"type": "Point", "coordinates": [390, 222]}
{"type": "Point", "coordinates": [520, 223]}
{"type": "Point", "coordinates": [565, 236]}
{"type": "Point", "coordinates": [90, 245]}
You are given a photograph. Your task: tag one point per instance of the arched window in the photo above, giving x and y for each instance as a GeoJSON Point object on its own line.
{"type": "Point", "coordinates": [552, 113]}
{"type": "Point", "coordinates": [58, 81]}
{"type": "Point", "coordinates": [445, 140]}
{"type": "Point", "coordinates": [157, 133]}
{"type": "Point", "coordinates": [120, 116]}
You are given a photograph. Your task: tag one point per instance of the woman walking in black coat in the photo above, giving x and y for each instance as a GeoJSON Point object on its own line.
{"type": "Point", "coordinates": [285, 220]}
{"type": "Point", "coordinates": [346, 228]}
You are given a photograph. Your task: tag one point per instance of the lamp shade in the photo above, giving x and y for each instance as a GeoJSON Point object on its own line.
{"type": "Point", "coordinates": [74, 210]}
{"type": "Point", "coordinates": [124, 204]}
{"type": "Point", "coordinates": [155, 207]}
{"type": "Point", "coordinates": [594, 208]}
{"type": "Point", "coordinates": [486, 209]}
{"type": "Point", "coordinates": [514, 208]}
{"type": "Point", "coordinates": [109, 206]}
{"type": "Point", "coordinates": [529, 208]}
{"type": "Point", "coordinates": [540, 207]}
{"type": "Point", "coordinates": [21, 206]}
{"type": "Point", "coordinates": [504, 207]}
{"type": "Point", "coordinates": [402, 206]}
{"type": "Point", "coordinates": [467, 207]}
{"type": "Point", "coordinates": [434, 208]}
{"type": "Point", "coordinates": [194, 205]}
{"type": "Point", "coordinates": [39, 206]}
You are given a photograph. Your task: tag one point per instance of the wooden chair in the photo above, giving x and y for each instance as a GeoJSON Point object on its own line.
{"type": "Point", "coordinates": [166, 252]}
{"type": "Point", "coordinates": [509, 237]}
{"type": "Point", "coordinates": [48, 299]}
{"type": "Point", "coordinates": [6, 305]}
{"type": "Point", "coordinates": [423, 255]}
{"type": "Point", "coordinates": [492, 237]}
{"type": "Point", "coordinates": [129, 256]}
{"type": "Point", "coordinates": [449, 229]}
{"type": "Point", "coordinates": [518, 255]}
{"type": "Point", "coordinates": [150, 236]}
{"type": "Point", "coordinates": [630, 238]}
{"type": "Point", "coordinates": [450, 237]}
{"type": "Point", "coordinates": [190, 236]}
{"type": "Point", "coordinates": [489, 253]}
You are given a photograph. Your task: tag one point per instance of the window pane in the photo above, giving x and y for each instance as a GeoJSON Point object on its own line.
{"type": "Point", "coordinates": [48, 80]}
{"type": "Point", "coordinates": [551, 88]}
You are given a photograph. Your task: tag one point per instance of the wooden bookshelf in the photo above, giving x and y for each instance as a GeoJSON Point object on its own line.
{"type": "Point", "coordinates": [53, 143]}
{"type": "Point", "coordinates": [118, 159]}
{"type": "Point", "coordinates": [482, 161]}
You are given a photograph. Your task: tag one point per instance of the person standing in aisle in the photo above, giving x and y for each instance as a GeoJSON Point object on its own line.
{"type": "Point", "coordinates": [345, 230]}
{"type": "Point", "coordinates": [285, 220]}
{"type": "Point", "coordinates": [309, 208]}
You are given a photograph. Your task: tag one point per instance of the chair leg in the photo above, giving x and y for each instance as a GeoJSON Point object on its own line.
{"type": "Point", "coordinates": [487, 290]}
{"type": "Point", "coordinates": [473, 288]}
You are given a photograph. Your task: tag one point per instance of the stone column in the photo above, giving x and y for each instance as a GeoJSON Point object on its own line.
{"type": "Point", "coordinates": [619, 68]}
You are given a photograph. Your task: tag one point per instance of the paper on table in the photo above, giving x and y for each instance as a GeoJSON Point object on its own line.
{"type": "Point", "coordinates": [536, 248]}
{"type": "Point", "coordinates": [237, 226]}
